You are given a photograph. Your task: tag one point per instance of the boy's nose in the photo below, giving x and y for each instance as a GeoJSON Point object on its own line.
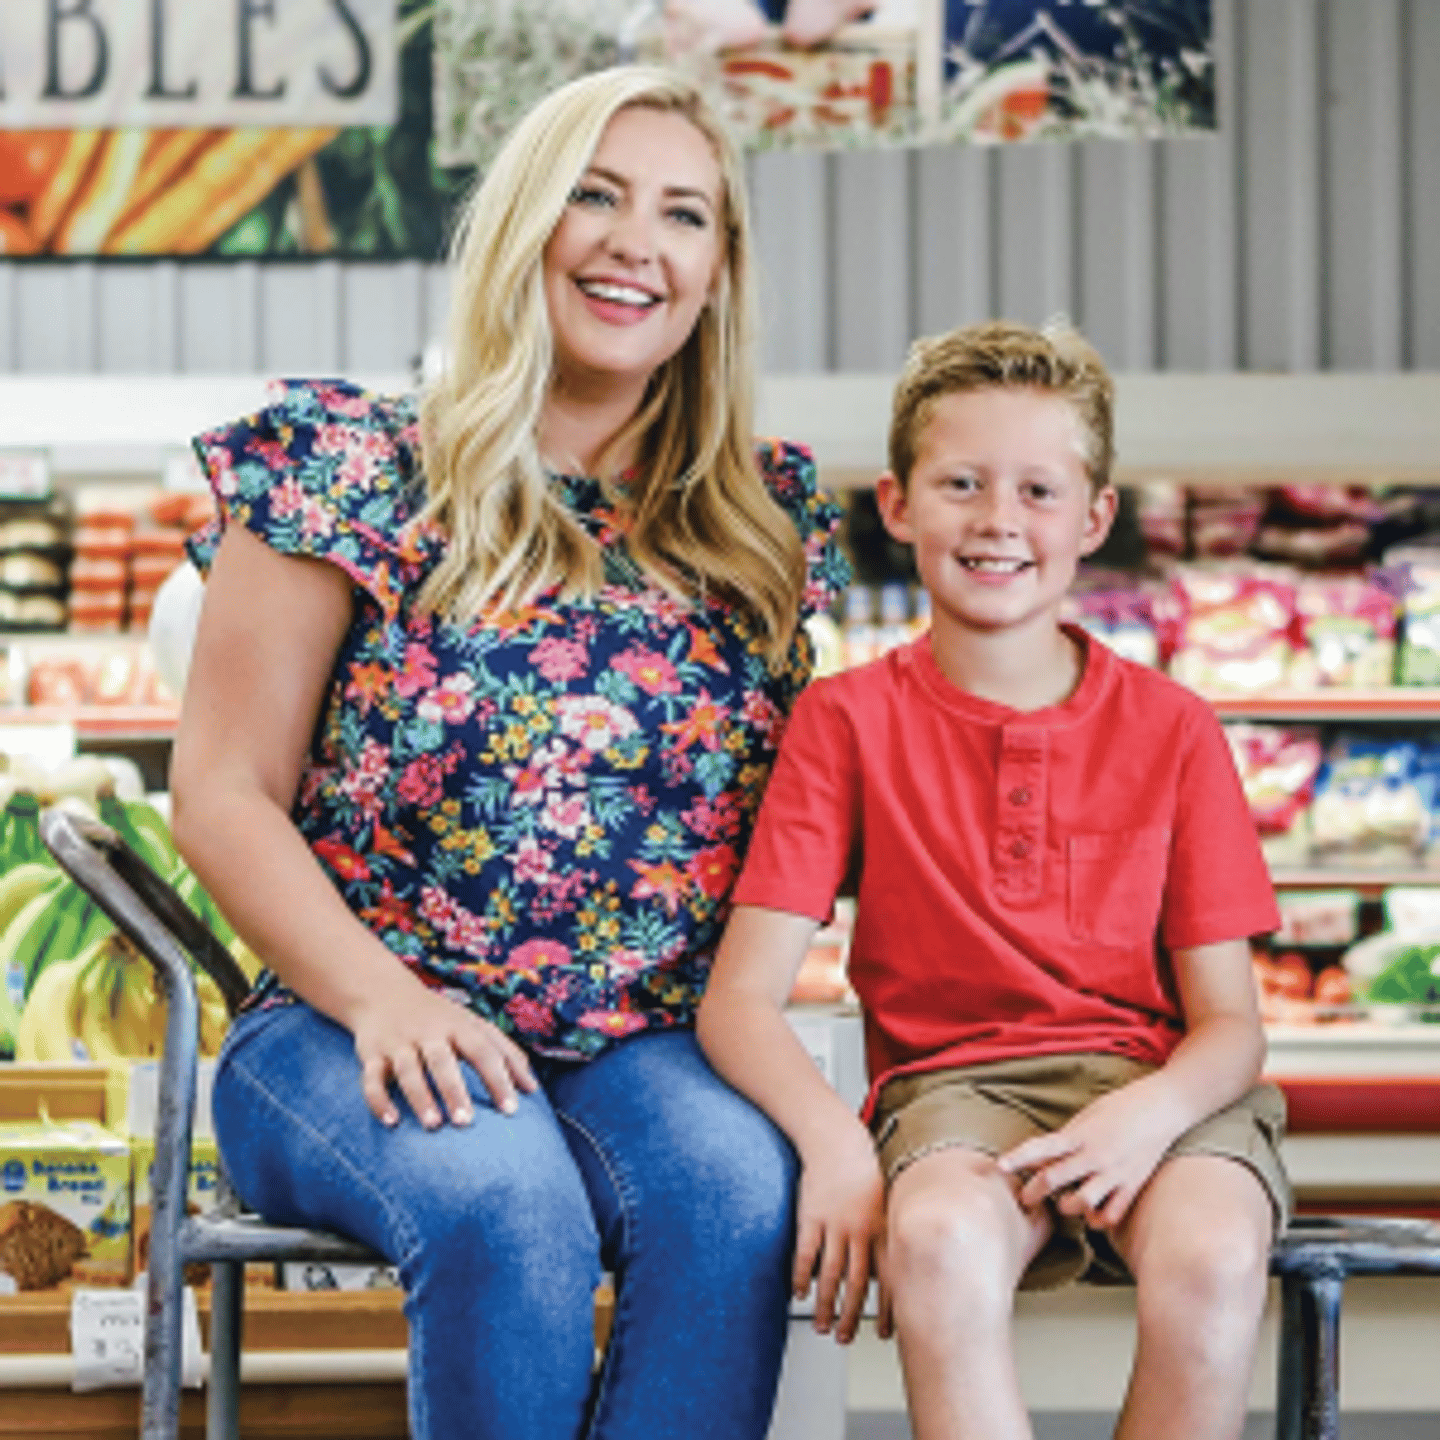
{"type": "Point", "coordinates": [1000, 510]}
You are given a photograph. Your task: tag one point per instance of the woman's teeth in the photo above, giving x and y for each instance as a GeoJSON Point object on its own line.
{"type": "Point", "coordinates": [618, 294]}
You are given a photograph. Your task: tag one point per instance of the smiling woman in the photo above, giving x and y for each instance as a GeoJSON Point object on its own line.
{"type": "Point", "coordinates": [485, 693]}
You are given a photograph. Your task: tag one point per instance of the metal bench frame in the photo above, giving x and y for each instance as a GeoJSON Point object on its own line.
{"type": "Point", "coordinates": [1312, 1260]}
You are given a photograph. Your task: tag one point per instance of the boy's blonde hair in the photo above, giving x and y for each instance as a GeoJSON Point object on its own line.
{"type": "Point", "coordinates": [1001, 354]}
{"type": "Point", "coordinates": [703, 520]}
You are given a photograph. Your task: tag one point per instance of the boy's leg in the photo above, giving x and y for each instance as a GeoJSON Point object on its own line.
{"type": "Point", "coordinates": [1197, 1241]}
{"type": "Point", "coordinates": [957, 1243]}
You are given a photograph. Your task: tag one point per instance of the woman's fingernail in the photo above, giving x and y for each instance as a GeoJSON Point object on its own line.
{"type": "Point", "coordinates": [390, 1118]}
{"type": "Point", "coordinates": [509, 1105]}
{"type": "Point", "coordinates": [463, 1115]}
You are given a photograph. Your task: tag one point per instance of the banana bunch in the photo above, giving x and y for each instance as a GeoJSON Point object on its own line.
{"type": "Point", "coordinates": [103, 1006]}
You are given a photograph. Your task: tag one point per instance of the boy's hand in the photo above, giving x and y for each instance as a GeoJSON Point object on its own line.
{"type": "Point", "coordinates": [1097, 1164]}
{"type": "Point", "coordinates": [839, 1227]}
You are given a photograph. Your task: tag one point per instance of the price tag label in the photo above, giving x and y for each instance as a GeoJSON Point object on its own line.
{"type": "Point", "coordinates": [24, 475]}
{"type": "Point", "coordinates": [107, 1339]}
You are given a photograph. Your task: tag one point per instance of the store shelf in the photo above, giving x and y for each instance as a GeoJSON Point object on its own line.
{"type": "Point", "coordinates": [127, 723]}
{"type": "Point", "coordinates": [1396, 702]}
{"type": "Point", "coordinates": [1351, 877]}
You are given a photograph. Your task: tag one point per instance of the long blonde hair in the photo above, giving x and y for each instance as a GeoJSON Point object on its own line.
{"type": "Point", "coordinates": [702, 520]}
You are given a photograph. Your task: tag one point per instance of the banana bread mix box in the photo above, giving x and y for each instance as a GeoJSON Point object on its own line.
{"type": "Point", "coordinates": [64, 1206]}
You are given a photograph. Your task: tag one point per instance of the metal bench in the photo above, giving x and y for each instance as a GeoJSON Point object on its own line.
{"type": "Point", "coordinates": [1312, 1261]}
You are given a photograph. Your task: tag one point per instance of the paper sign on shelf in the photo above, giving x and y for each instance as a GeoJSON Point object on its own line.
{"type": "Point", "coordinates": [48, 742]}
{"type": "Point", "coordinates": [24, 475]}
{"type": "Point", "coordinates": [183, 473]}
{"type": "Point", "coordinates": [107, 1339]}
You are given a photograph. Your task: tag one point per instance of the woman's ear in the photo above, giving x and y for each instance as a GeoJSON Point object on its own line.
{"type": "Point", "coordinates": [893, 505]}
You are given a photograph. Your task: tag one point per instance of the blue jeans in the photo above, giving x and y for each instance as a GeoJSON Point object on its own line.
{"type": "Point", "coordinates": [642, 1162]}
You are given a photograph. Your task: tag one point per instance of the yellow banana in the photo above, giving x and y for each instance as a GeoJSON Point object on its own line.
{"type": "Point", "coordinates": [45, 1031]}
{"type": "Point", "coordinates": [20, 885]}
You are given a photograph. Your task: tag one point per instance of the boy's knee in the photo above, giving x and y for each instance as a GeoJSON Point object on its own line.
{"type": "Point", "coordinates": [1215, 1269]}
{"type": "Point", "coordinates": [952, 1243]}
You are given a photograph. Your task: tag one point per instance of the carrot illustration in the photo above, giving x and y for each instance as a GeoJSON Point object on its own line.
{"type": "Point", "coordinates": [168, 155]}
{"type": "Point", "coordinates": [66, 182]}
{"type": "Point", "coordinates": [104, 194]}
{"type": "Point", "coordinates": [227, 180]}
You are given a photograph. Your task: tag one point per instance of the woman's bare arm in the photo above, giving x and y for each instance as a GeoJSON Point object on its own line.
{"type": "Point", "coordinates": [269, 632]}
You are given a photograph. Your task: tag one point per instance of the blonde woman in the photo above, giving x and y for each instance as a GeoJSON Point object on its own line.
{"type": "Point", "coordinates": [483, 700]}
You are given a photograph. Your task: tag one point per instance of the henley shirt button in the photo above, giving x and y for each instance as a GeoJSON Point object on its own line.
{"type": "Point", "coordinates": [1020, 849]}
{"type": "Point", "coordinates": [1020, 796]}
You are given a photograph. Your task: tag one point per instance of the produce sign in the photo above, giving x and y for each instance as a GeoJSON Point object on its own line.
{"type": "Point", "coordinates": [248, 128]}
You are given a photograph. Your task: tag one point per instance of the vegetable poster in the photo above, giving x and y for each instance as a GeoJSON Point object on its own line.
{"type": "Point", "coordinates": [352, 128]}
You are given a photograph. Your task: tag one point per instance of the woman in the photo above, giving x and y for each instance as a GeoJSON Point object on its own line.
{"type": "Point", "coordinates": [477, 723]}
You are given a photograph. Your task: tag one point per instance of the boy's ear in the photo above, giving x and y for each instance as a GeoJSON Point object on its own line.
{"type": "Point", "coordinates": [891, 502]}
{"type": "Point", "coordinates": [1099, 518]}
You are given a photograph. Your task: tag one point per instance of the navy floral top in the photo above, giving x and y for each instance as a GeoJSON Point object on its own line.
{"type": "Point", "coordinates": [541, 811]}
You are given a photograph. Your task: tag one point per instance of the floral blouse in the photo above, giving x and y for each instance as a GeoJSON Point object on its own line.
{"type": "Point", "coordinates": [541, 811]}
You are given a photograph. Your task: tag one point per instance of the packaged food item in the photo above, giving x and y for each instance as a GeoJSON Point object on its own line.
{"type": "Point", "coordinates": [1318, 917]}
{"type": "Point", "coordinates": [64, 1206]}
{"type": "Point", "coordinates": [1117, 609]}
{"type": "Point", "coordinates": [1371, 803]}
{"type": "Point", "coordinates": [1412, 909]}
{"type": "Point", "coordinates": [26, 570]}
{"type": "Point", "coordinates": [1347, 632]}
{"type": "Point", "coordinates": [1223, 520]}
{"type": "Point", "coordinates": [1237, 630]}
{"type": "Point", "coordinates": [1278, 766]}
{"type": "Point", "coordinates": [1160, 511]}
{"type": "Point", "coordinates": [858, 626]}
{"type": "Point", "coordinates": [317, 1275]}
{"type": "Point", "coordinates": [1419, 658]}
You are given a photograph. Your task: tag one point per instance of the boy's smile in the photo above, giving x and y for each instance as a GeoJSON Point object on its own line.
{"type": "Point", "coordinates": [999, 509]}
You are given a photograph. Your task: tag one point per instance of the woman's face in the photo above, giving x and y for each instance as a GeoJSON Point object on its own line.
{"type": "Point", "coordinates": [637, 252]}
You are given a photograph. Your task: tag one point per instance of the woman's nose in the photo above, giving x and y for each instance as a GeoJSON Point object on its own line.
{"type": "Point", "coordinates": [631, 238]}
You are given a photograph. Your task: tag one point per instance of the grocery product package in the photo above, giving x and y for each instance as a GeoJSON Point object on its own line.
{"type": "Point", "coordinates": [1238, 628]}
{"type": "Point", "coordinates": [1278, 765]}
{"type": "Point", "coordinates": [64, 1206]}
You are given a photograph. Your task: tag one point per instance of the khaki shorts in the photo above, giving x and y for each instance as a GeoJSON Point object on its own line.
{"type": "Point", "coordinates": [993, 1107]}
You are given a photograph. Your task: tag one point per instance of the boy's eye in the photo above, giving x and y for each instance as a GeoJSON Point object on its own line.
{"type": "Point", "coordinates": [962, 484]}
{"type": "Point", "coordinates": [1041, 490]}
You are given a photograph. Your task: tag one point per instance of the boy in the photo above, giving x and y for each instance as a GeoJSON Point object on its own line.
{"type": "Point", "coordinates": [1058, 879]}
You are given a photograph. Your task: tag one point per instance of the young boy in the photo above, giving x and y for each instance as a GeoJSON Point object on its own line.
{"type": "Point", "coordinates": [1058, 877]}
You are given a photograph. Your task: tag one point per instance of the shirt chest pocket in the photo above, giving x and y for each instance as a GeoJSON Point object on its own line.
{"type": "Point", "coordinates": [1115, 882]}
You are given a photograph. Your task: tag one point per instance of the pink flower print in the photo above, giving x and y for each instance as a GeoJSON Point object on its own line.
{"type": "Point", "coordinates": [565, 815]}
{"type": "Point", "coordinates": [530, 1017]}
{"type": "Point", "coordinates": [713, 819]}
{"type": "Point", "coordinates": [559, 660]}
{"type": "Point", "coordinates": [534, 957]}
{"type": "Point", "coordinates": [594, 721]}
{"type": "Point", "coordinates": [450, 702]}
{"type": "Point", "coordinates": [418, 673]}
{"type": "Point", "coordinates": [713, 869]}
{"type": "Point", "coordinates": [531, 782]}
{"type": "Point", "coordinates": [343, 402]}
{"type": "Point", "coordinates": [362, 784]}
{"type": "Point", "coordinates": [287, 498]}
{"type": "Point", "coordinates": [532, 862]}
{"type": "Point", "coordinates": [613, 1022]}
{"type": "Point", "coordinates": [422, 782]}
{"type": "Point", "coordinates": [315, 519]}
{"type": "Point", "coordinates": [650, 670]}
{"type": "Point", "coordinates": [622, 964]}
{"type": "Point", "coordinates": [764, 714]}
{"type": "Point", "coordinates": [460, 928]}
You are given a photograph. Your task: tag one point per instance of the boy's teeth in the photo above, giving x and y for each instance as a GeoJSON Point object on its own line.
{"type": "Point", "coordinates": [621, 294]}
{"type": "Point", "coordinates": [997, 567]}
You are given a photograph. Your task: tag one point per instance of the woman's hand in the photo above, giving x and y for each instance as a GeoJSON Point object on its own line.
{"type": "Point", "coordinates": [417, 1038]}
{"type": "Point", "coordinates": [840, 1227]}
{"type": "Point", "coordinates": [1097, 1164]}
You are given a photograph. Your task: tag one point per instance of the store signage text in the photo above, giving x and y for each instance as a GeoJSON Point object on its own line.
{"type": "Point", "coordinates": [72, 64]}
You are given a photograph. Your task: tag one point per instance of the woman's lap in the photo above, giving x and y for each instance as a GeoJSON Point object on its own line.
{"type": "Point", "coordinates": [642, 1161]}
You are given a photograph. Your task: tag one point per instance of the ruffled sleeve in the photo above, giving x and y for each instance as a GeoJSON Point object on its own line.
{"type": "Point", "coordinates": [326, 470]}
{"type": "Point", "coordinates": [789, 472]}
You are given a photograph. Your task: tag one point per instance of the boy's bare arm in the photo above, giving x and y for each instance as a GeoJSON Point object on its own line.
{"type": "Point", "coordinates": [1104, 1156]}
{"type": "Point", "coordinates": [744, 1033]}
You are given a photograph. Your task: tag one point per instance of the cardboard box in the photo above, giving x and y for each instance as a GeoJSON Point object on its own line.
{"type": "Point", "coordinates": [64, 1206]}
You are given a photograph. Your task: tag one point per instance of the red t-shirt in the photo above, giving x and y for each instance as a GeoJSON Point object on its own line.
{"type": "Point", "coordinates": [1022, 874]}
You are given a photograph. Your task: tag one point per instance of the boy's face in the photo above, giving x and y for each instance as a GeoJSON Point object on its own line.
{"type": "Point", "coordinates": [999, 507]}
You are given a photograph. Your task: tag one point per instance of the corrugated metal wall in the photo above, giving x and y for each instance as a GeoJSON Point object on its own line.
{"type": "Point", "coordinates": [1304, 235]}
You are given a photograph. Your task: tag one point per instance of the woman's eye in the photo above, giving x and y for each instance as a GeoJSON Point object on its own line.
{"type": "Point", "coordinates": [591, 195]}
{"type": "Point", "coordinates": [687, 216]}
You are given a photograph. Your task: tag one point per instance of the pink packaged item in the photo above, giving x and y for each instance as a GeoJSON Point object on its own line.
{"type": "Point", "coordinates": [1238, 628]}
{"type": "Point", "coordinates": [1347, 629]}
